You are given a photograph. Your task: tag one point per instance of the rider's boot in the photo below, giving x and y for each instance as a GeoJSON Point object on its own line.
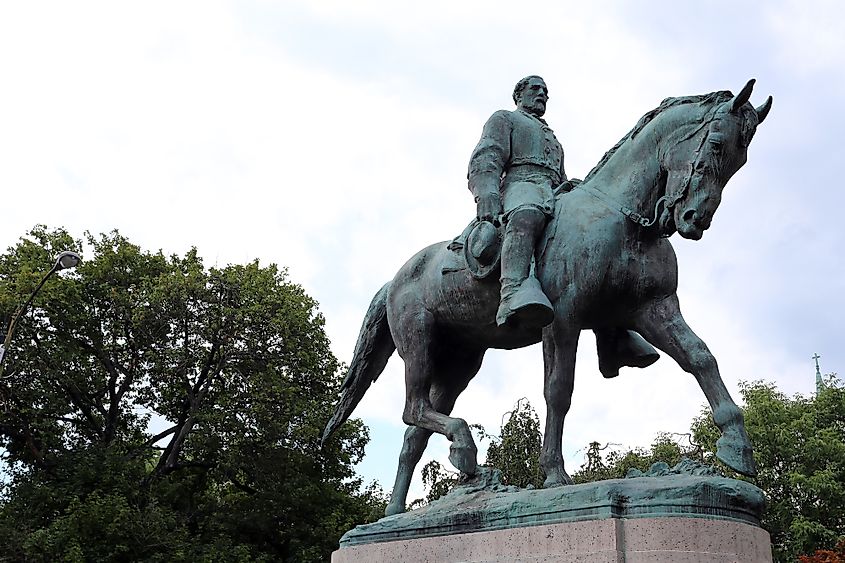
{"type": "Point", "coordinates": [619, 348]}
{"type": "Point", "coordinates": [522, 299]}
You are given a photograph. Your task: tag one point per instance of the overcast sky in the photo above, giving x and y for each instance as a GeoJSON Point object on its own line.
{"type": "Point", "coordinates": [333, 137]}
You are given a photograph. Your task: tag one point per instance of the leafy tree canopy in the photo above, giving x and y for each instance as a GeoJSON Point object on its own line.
{"type": "Point", "coordinates": [153, 408]}
{"type": "Point", "coordinates": [517, 450]}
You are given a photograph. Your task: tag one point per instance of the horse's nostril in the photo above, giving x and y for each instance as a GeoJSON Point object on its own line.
{"type": "Point", "coordinates": [689, 215]}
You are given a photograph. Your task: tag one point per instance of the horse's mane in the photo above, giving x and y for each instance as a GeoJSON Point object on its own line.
{"type": "Point", "coordinates": [701, 99]}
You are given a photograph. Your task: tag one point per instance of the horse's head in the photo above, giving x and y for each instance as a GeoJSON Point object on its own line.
{"type": "Point", "coordinates": [703, 156]}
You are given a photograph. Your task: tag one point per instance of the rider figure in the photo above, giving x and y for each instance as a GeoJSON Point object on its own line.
{"type": "Point", "coordinates": [513, 173]}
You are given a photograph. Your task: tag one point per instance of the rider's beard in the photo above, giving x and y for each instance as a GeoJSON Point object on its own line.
{"type": "Point", "coordinates": [537, 108]}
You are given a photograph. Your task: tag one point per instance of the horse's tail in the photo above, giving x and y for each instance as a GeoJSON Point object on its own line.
{"type": "Point", "coordinates": [374, 347]}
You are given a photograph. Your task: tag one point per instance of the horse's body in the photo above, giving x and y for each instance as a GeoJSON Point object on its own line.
{"type": "Point", "coordinates": [600, 269]}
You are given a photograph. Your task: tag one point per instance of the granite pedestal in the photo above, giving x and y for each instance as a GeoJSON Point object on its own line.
{"type": "Point", "coordinates": [613, 540]}
{"type": "Point", "coordinates": [672, 516]}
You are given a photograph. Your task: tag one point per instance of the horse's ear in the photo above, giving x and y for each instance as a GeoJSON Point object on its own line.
{"type": "Point", "coordinates": [763, 110]}
{"type": "Point", "coordinates": [744, 95]}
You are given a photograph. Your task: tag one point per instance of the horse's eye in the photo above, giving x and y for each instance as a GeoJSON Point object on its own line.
{"type": "Point", "coordinates": [716, 140]}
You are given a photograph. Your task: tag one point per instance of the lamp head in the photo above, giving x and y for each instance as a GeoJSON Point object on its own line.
{"type": "Point", "coordinates": [67, 259]}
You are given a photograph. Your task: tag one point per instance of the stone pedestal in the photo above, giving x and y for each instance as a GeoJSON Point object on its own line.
{"type": "Point", "coordinates": [613, 540]}
{"type": "Point", "coordinates": [686, 514]}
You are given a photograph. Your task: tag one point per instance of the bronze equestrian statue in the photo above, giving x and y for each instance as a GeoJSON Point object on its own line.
{"type": "Point", "coordinates": [604, 263]}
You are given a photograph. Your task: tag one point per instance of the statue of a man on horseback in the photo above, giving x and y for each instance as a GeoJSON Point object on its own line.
{"type": "Point", "coordinates": [606, 265]}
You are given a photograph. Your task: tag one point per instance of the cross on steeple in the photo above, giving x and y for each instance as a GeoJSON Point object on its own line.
{"type": "Point", "coordinates": [819, 382]}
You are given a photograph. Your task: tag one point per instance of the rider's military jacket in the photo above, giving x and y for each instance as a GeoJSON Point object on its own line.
{"type": "Point", "coordinates": [511, 139]}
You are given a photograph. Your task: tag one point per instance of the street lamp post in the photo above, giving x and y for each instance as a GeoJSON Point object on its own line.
{"type": "Point", "coordinates": [64, 260]}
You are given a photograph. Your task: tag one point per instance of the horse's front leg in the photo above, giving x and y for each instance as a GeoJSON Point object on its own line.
{"type": "Point", "coordinates": [560, 342]}
{"type": "Point", "coordinates": [662, 324]}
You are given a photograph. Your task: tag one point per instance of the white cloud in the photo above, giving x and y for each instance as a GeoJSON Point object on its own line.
{"type": "Point", "coordinates": [811, 36]}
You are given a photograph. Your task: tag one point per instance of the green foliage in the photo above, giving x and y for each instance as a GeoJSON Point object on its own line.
{"type": "Point", "coordinates": [437, 480]}
{"type": "Point", "coordinates": [799, 447]}
{"type": "Point", "coordinates": [231, 367]}
{"type": "Point", "coordinates": [616, 464]}
{"type": "Point", "coordinates": [517, 451]}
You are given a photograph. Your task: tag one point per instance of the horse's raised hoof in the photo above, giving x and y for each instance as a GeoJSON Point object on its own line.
{"type": "Point", "coordinates": [394, 508]}
{"type": "Point", "coordinates": [557, 479]}
{"type": "Point", "coordinates": [736, 453]}
{"type": "Point", "coordinates": [462, 452]}
{"type": "Point", "coordinates": [463, 457]}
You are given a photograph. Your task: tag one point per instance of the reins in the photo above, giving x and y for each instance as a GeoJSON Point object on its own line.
{"type": "Point", "coordinates": [670, 200]}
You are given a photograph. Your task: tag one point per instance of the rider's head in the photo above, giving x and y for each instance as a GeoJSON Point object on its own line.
{"type": "Point", "coordinates": [531, 94]}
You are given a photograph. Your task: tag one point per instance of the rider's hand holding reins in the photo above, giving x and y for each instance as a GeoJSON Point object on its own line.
{"type": "Point", "coordinates": [489, 207]}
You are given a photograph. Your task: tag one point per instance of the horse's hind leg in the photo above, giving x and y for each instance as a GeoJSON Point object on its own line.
{"type": "Point", "coordinates": [661, 323]}
{"type": "Point", "coordinates": [413, 446]}
{"type": "Point", "coordinates": [419, 350]}
{"type": "Point", "coordinates": [560, 343]}
{"type": "Point", "coordinates": [453, 378]}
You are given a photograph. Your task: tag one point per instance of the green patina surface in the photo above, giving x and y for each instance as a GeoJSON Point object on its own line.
{"type": "Point", "coordinates": [601, 261]}
{"type": "Point", "coordinates": [484, 504]}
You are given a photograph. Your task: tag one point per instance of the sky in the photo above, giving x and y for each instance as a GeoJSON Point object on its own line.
{"type": "Point", "coordinates": [332, 138]}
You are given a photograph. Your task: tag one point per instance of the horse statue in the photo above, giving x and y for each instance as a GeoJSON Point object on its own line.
{"type": "Point", "coordinates": [604, 262]}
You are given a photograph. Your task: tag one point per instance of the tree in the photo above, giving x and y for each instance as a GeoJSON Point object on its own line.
{"type": "Point", "coordinates": [517, 450]}
{"type": "Point", "coordinates": [616, 464]}
{"type": "Point", "coordinates": [437, 480]}
{"type": "Point", "coordinates": [799, 447]}
{"type": "Point", "coordinates": [232, 368]}
{"type": "Point", "coordinates": [836, 555]}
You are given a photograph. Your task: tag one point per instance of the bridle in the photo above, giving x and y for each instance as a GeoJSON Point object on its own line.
{"type": "Point", "coordinates": [667, 200]}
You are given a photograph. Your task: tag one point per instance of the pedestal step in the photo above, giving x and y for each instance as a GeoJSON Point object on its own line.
{"type": "Point", "coordinates": [611, 540]}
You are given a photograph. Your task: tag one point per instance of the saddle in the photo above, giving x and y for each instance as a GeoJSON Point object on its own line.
{"type": "Point", "coordinates": [479, 247]}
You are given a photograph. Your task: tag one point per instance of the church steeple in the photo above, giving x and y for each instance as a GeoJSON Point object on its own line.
{"type": "Point", "coordinates": [819, 382]}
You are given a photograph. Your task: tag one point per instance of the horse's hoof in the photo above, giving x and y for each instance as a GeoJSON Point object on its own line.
{"type": "Point", "coordinates": [464, 459]}
{"type": "Point", "coordinates": [737, 454]}
{"type": "Point", "coordinates": [394, 508]}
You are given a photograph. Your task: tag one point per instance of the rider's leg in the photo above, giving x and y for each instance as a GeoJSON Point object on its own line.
{"type": "Point", "coordinates": [524, 226]}
{"type": "Point", "coordinates": [618, 347]}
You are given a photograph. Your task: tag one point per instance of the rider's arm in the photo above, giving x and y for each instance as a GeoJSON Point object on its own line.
{"type": "Point", "coordinates": [566, 184]}
{"type": "Point", "coordinates": [563, 176]}
{"type": "Point", "coordinates": [487, 164]}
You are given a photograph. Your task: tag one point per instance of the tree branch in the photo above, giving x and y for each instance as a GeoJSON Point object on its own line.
{"type": "Point", "coordinates": [152, 440]}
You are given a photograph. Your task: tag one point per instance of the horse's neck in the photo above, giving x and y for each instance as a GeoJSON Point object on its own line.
{"type": "Point", "coordinates": [632, 175]}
